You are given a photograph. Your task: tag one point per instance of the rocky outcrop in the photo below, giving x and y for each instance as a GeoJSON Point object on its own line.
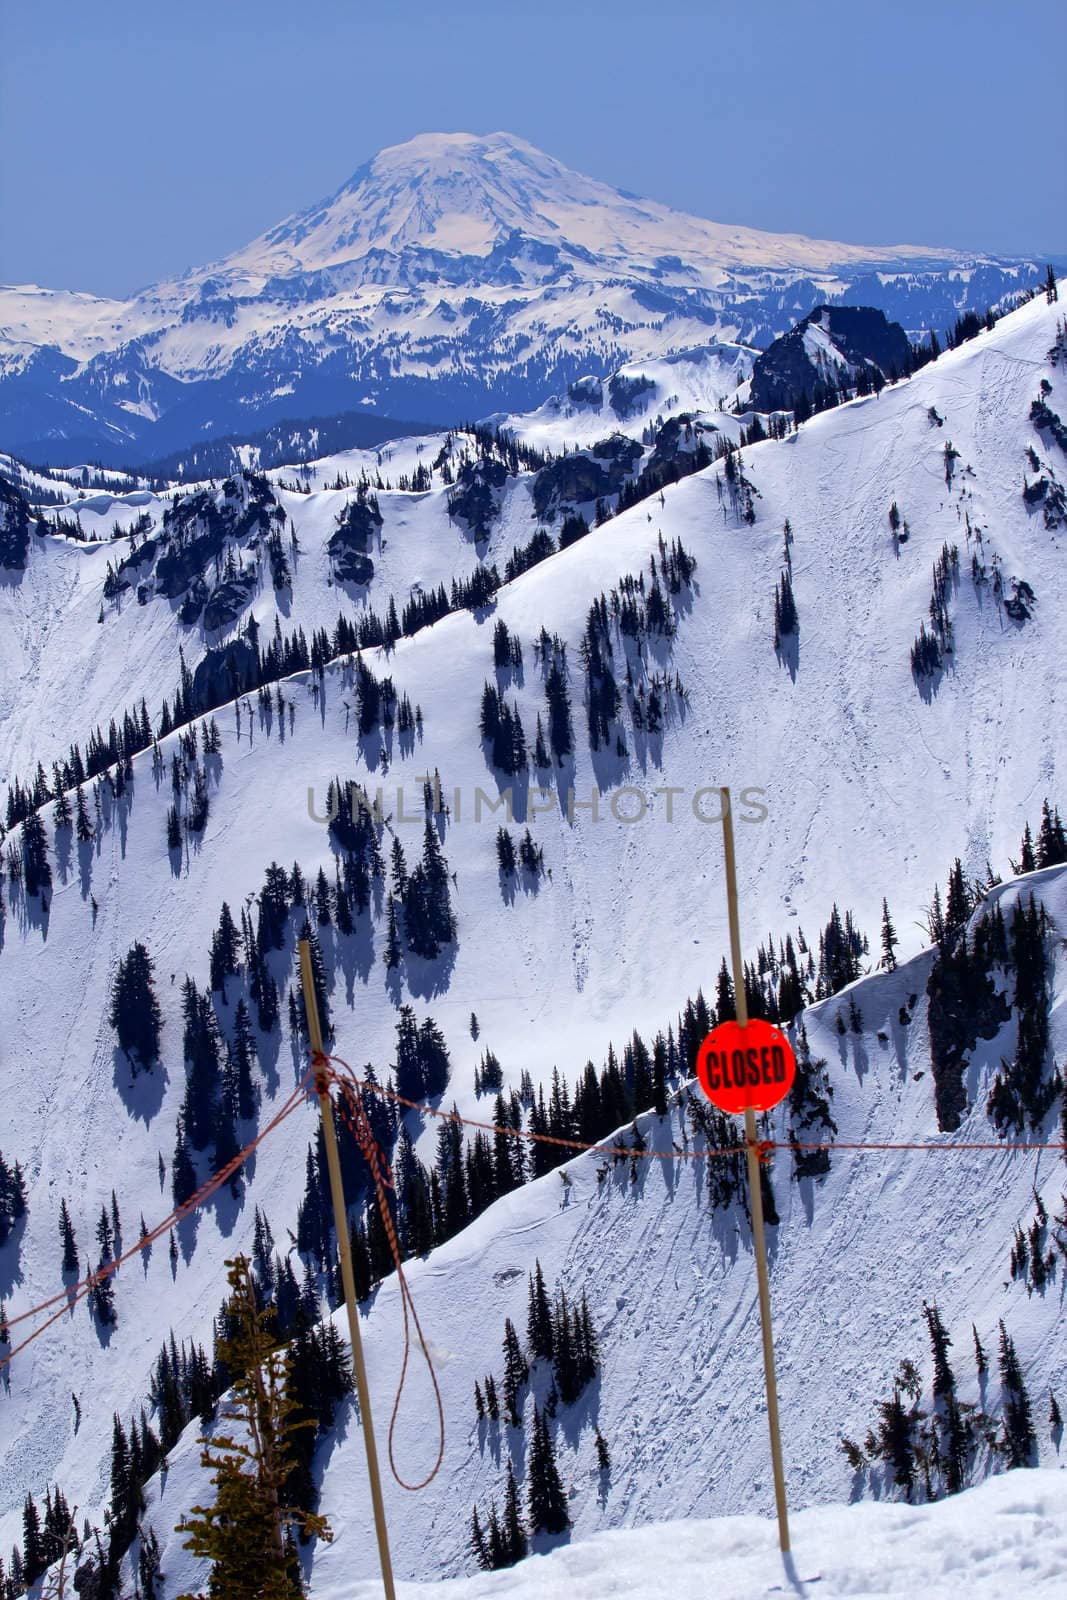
{"type": "Point", "coordinates": [14, 526]}
{"type": "Point", "coordinates": [624, 393]}
{"type": "Point", "coordinates": [585, 476]}
{"type": "Point", "coordinates": [223, 674]}
{"type": "Point", "coordinates": [478, 495]}
{"type": "Point", "coordinates": [228, 599]}
{"type": "Point", "coordinates": [354, 537]}
{"type": "Point", "coordinates": [828, 347]}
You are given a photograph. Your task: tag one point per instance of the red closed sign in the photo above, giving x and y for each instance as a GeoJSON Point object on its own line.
{"type": "Point", "coordinates": [741, 1067]}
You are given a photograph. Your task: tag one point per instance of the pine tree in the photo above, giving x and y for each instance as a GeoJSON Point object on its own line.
{"type": "Point", "coordinates": [896, 1441]}
{"type": "Point", "coordinates": [547, 1501]}
{"type": "Point", "coordinates": [182, 1171]}
{"type": "Point", "coordinates": [785, 609]}
{"type": "Point", "coordinates": [1019, 1438]}
{"type": "Point", "coordinates": [539, 1337]}
{"type": "Point", "coordinates": [246, 1533]}
{"type": "Point", "coordinates": [981, 1360]}
{"type": "Point", "coordinates": [224, 950]}
{"type": "Point", "coordinates": [560, 727]}
{"type": "Point", "coordinates": [36, 871]}
{"type": "Point", "coordinates": [70, 1248]}
{"type": "Point", "coordinates": [244, 1054]}
{"type": "Point", "coordinates": [492, 1403]}
{"type": "Point", "coordinates": [889, 939]}
{"type": "Point", "coordinates": [477, 1542]}
{"type": "Point", "coordinates": [318, 976]}
{"type": "Point", "coordinates": [516, 1372]}
{"type": "Point", "coordinates": [512, 1531]}
{"type": "Point", "coordinates": [33, 1556]}
{"type": "Point", "coordinates": [82, 825]}
{"type": "Point", "coordinates": [135, 1013]}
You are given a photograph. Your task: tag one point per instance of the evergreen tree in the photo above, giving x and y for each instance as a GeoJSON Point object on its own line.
{"type": "Point", "coordinates": [492, 1403]}
{"type": "Point", "coordinates": [547, 1502]}
{"type": "Point", "coordinates": [1051, 839]}
{"type": "Point", "coordinates": [981, 1360]}
{"type": "Point", "coordinates": [182, 1171]}
{"type": "Point", "coordinates": [82, 825]}
{"type": "Point", "coordinates": [477, 1542]}
{"type": "Point", "coordinates": [895, 1440]}
{"type": "Point", "coordinates": [516, 1372]}
{"type": "Point", "coordinates": [245, 1534]}
{"type": "Point", "coordinates": [135, 1013]}
{"type": "Point", "coordinates": [560, 727]}
{"type": "Point", "coordinates": [318, 977]}
{"type": "Point", "coordinates": [243, 1053]}
{"type": "Point", "coordinates": [512, 1531]}
{"type": "Point", "coordinates": [70, 1249]}
{"type": "Point", "coordinates": [225, 944]}
{"type": "Point", "coordinates": [36, 871]}
{"type": "Point", "coordinates": [33, 1555]}
{"type": "Point", "coordinates": [1019, 1439]}
{"type": "Point", "coordinates": [539, 1334]}
{"type": "Point", "coordinates": [785, 609]}
{"type": "Point", "coordinates": [889, 939]}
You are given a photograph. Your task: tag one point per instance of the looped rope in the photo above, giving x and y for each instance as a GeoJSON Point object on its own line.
{"type": "Point", "coordinates": [353, 1113]}
{"type": "Point", "coordinates": [764, 1150]}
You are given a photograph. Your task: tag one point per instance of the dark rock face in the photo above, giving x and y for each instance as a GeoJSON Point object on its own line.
{"type": "Point", "coordinates": [478, 495]}
{"type": "Point", "coordinates": [228, 600]}
{"type": "Point", "coordinates": [192, 558]}
{"type": "Point", "coordinates": [355, 533]}
{"type": "Point", "coordinates": [14, 526]}
{"type": "Point", "coordinates": [183, 564]}
{"type": "Point", "coordinates": [624, 393]}
{"type": "Point", "coordinates": [860, 335]}
{"type": "Point", "coordinates": [586, 392]}
{"type": "Point", "coordinates": [678, 436]}
{"type": "Point", "coordinates": [587, 475]}
{"type": "Point", "coordinates": [225, 673]}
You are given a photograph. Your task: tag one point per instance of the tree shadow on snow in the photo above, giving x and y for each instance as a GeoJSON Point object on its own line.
{"type": "Point", "coordinates": [140, 1089]}
{"type": "Point", "coordinates": [11, 1258]}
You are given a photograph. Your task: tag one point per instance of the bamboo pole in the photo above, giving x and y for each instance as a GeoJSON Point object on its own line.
{"type": "Point", "coordinates": [329, 1135]}
{"type": "Point", "coordinates": [759, 1238]}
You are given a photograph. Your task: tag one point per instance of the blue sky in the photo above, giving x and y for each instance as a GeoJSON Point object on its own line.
{"type": "Point", "coordinates": [137, 139]}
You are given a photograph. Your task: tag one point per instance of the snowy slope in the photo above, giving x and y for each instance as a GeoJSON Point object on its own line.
{"type": "Point", "coordinates": [671, 1287]}
{"type": "Point", "coordinates": [1005, 1538]}
{"type": "Point", "coordinates": [871, 790]}
{"type": "Point", "coordinates": [451, 275]}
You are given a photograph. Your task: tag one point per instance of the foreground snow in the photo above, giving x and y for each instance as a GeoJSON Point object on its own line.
{"type": "Point", "coordinates": [1004, 1538]}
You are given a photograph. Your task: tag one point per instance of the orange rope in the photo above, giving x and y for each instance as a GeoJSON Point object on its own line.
{"type": "Point", "coordinates": [67, 1299]}
{"type": "Point", "coordinates": [763, 1148]}
{"type": "Point", "coordinates": [355, 1117]}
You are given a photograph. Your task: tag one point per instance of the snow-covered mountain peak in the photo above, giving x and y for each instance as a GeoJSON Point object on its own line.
{"type": "Point", "coordinates": [490, 273]}
{"type": "Point", "coordinates": [463, 193]}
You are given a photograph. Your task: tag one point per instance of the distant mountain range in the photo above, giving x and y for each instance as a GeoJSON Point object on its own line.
{"type": "Point", "coordinates": [449, 277]}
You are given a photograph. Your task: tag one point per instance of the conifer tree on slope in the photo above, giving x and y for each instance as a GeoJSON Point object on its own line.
{"type": "Point", "coordinates": [135, 1013]}
{"type": "Point", "coordinates": [245, 1534]}
{"type": "Point", "coordinates": [1019, 1438]}
{"type": "Point", "coordinates": [547, 1499]}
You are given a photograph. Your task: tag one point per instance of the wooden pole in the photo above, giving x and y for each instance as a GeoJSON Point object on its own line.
{"type": "Point", "coordinates": [755, 1190]}
{"type": "Point", "coordinates": [348, 1281]}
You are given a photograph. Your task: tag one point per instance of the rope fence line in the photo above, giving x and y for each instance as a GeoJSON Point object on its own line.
{"type": "Point", "coordinates": [355, 1118]}
{"type": "Point", "coordinates": [351, 1089]}
{"type": "Point", "coordinates": [69, 1297]}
